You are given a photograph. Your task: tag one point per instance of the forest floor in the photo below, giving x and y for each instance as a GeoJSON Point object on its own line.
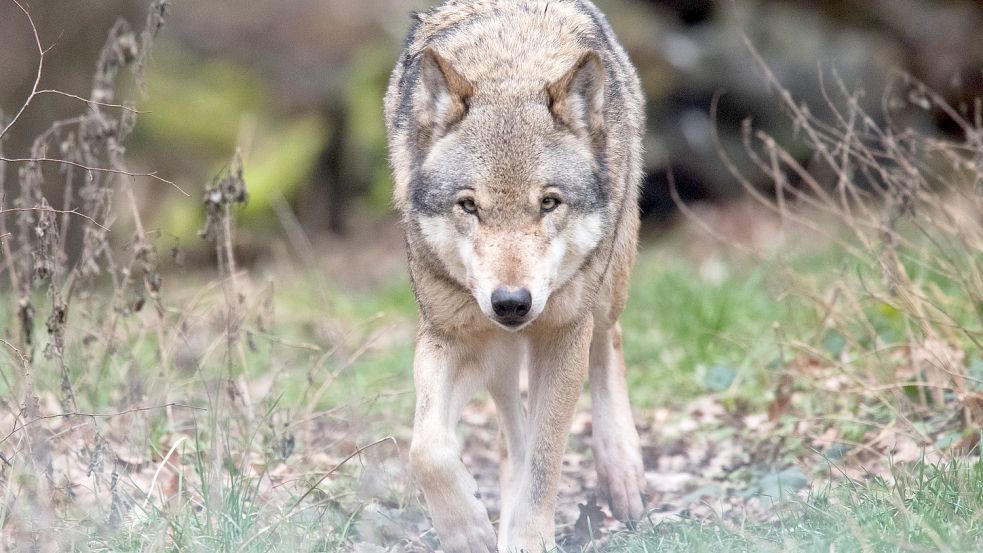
{"type": "Point", "coordinates": [292, 430]}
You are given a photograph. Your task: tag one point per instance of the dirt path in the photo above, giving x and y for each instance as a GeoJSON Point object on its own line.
{"type": "Point", "coordinates": [697, 466]}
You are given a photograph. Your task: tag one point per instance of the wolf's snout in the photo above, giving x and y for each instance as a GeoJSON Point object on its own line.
{"type": "Point", "coordinates": [511, 306]}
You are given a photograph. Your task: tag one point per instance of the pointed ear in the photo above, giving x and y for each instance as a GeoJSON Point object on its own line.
{"type": "Point", "coordinates": [577, 98]}
{"type": "Point", "coordinates": [443, 98]}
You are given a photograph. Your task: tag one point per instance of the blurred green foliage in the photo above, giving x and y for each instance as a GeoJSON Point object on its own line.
{"type": "Point", "coordinates": [197, 106]}
{"type": "Point", "coordinates": [367, 133]}
{"type": "Point", "coordinates": [205, 110]}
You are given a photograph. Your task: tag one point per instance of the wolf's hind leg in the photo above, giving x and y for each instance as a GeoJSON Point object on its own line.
{"type": "Point", "coordinates": [444, 384]}
{"type": "Point", "coordinates": [617, 453]}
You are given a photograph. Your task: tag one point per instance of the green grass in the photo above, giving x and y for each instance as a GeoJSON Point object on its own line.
{"type": "Point", "coordinates": [375, 371]}
{"type": "Point", "coordinates": [925, 508]}
{"type": "Point", "coordinates": [228, 515]}
{"type": "Point", "coordinates": [682, 327]}
{"type": "Point", "coordinates": [678, 324]}
{"type": "Point", "coordinates": [922, 507]}
{"type": "Point", "coordinates": [688, 330]}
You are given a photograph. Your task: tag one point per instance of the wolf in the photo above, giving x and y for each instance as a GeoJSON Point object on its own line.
{"type": "Point", "coordinates": [514, 132]}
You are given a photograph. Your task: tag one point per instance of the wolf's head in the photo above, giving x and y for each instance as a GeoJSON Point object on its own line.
{"type": "Point", "coordinates": [510, 194]}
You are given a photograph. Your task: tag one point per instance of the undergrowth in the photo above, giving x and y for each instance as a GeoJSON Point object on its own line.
{"type": "Point", "coordinates": [139, 415]}
{"type": "Point", "coordinates": [919, 507]}
{"type": "Point", "coordinates": [884, 387]}
{"type": "Point", "coordinates": [147, 406]}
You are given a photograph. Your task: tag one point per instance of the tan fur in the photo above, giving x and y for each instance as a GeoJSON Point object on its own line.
{"type": "Point", "coordinates": [502, 103]}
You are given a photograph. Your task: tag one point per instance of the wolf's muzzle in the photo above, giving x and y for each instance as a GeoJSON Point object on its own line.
{"type": "Point", "coordinates": [511, 306]}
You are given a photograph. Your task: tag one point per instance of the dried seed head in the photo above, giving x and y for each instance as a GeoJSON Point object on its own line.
{"type": "Point", "coordinates": [228, 190]}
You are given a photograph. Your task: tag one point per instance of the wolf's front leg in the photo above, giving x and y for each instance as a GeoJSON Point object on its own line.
{"type": "Point", "coordinates": [443, 387]}
{"type": "Point", "coordinates": [617, 454]}
{"type": "Point", "coordinates": [558, 364]}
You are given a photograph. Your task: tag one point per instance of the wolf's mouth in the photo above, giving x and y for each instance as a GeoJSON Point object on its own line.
{"type": "Point", "coordinates": [512, 323]}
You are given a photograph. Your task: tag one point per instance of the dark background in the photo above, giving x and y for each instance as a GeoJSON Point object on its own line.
{"type": "Point", "coordinates": [298, 85]}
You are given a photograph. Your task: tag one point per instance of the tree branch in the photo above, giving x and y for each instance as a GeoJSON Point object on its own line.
{"type": "Point", "coordinates": [152, 175]}
{"type": "Point", "coordinates": [99, 415]}
{"type": "Point", "coordinates": [91, 102]}
{"type": "Point", "coordinates": [37, 77]}
{"type": "Point", "coordinates": [53, 210]}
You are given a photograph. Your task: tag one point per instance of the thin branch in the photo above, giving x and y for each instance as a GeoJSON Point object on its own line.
{"type": "Point", "coordinates": [53, 210]}
{"type": "Point", "coordinates": [37, 77]}
{"type": "Point", "coordinates": [160, 467]}
{"type": "Point", "coordinates": [293, 507]}
{"type": "Point", "coordinates": [100, 415]}
{"type": "Point", "coordinates": [691, 215]}
{"type": "Point", "coordinates": [21, 358]}
{"type": "Point", "coordinates": [152, 175]}
{"type": "Point", "coordinates": [90, 102]}
{"type": "Point", "coordinates": [12, 347]}
{"type": "Point", "coordinates": [341, 464]}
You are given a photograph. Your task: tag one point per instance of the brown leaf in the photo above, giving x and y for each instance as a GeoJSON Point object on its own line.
{"type": "Point", "coordinates": [589, 523]}
{"type": "Point", "coordinates": [172, 477]}
{"type": "Point", "coordinates": [974, 406]}
{"type": "Point", "coordinates": [783, 397]}
{"type": "Point", "coordinates": [939, 363]}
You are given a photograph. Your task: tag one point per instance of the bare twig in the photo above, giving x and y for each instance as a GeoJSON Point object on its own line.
{"type": "Point", "coordinates": [53, 210]}
{"type": "Point", "coordinates": [100, 415]}
{"type": "Point", "coordinates": [341, 464]}
{"type": "Point", "coordinates": [37, 76]}
{"type": "Point", "coordinates": [152, 174]}
{"type": "Point", "coordinates": [153, 481]}
{"type": "Point", "coordinates": [297, 503]}
{"type": "Point", "coordinates": [91, 102]}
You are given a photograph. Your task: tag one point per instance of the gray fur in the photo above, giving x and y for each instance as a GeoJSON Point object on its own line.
{"type": "Point", "coordinates": [514, 133]}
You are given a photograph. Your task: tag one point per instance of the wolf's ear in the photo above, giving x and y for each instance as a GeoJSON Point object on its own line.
{"type": "Point", "coordinates": [577, 98]}
{"type": "Point", "coordinates": [444, 96]}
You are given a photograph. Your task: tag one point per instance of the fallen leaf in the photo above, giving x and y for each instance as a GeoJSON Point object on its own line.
{"type": "Point", "coordinates": [780, 484]}
{"type": "Point", "coordinates": [719, 378]}
{"type": "Point", "coordinates": [589, 523]}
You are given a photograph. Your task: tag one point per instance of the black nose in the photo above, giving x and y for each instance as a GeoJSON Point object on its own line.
{"type": "Point", "coordinates": [511, 305]}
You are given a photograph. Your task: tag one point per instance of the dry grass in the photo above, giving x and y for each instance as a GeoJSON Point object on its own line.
{"type": "Point", "coordinates": [892, 365]}
{"type": "Point", "coordinates": [882, 390]}
{"type": "Point", "coordinates": [146, 407]}
{"type": "Point", "coordinates": [130, 421]}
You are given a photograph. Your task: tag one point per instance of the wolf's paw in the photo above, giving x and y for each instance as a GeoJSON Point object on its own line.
{"type": "Point", "coordinates": [467, 531]}
{"type": "Point", "coordinates": [620, 475]}
{"type": "Point", "coordinates": [470, 540]}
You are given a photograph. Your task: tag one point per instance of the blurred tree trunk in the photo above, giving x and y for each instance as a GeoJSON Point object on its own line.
{"type": "Point", "coordinates": [326, 203]}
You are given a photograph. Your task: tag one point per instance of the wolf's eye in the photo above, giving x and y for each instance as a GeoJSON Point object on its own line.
{"type": "Point", "coordinates": [548, 204]}
{"type": "Point", "coordinates": [468, 205]}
